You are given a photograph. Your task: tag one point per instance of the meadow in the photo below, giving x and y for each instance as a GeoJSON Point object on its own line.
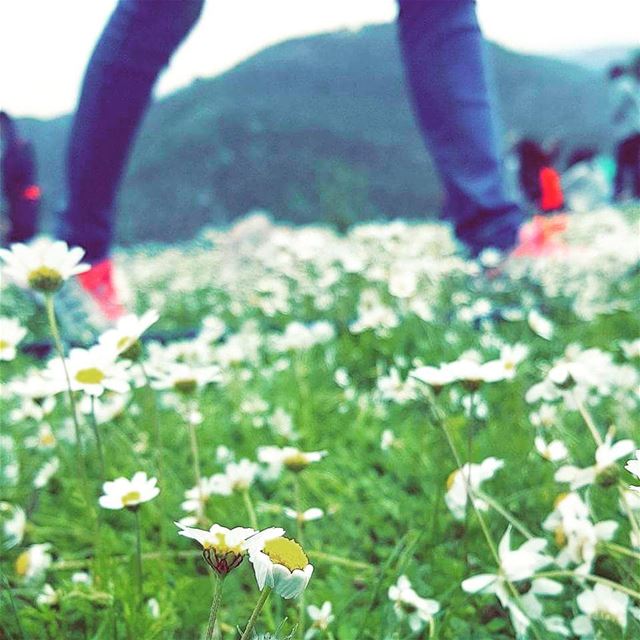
{"type": "Point", "coordinates": [452, 448]}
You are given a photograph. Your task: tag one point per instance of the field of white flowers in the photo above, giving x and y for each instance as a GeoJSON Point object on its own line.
{"type": "Point", "coordinates": [308, 435]}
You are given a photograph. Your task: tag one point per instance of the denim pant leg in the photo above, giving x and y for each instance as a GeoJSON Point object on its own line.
{"type": "Point", "coordinates": [135, 46]}
{"type": "Point", "coordinates": [443, 53]}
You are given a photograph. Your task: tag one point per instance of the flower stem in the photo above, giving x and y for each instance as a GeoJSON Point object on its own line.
{"type": "Point", "coordinates": [138, 555]}
{"type": "Point", "coordinates": [155, 419]}
{"type": "Point", "coordinates": [507, 515]}
{"type": "Point", "coordinates": [588, 420]}
{"type": "Point", "coordinates": [256, 612]}
{"type": "Point", "coordinates": [196, 469]}
{"type": "Point", "coordinates": [248, 503]}
{"type": "Point", "coordinates": [215, 605]}
{"type": "Point", "coordinates": [300, 522]}
{"type": "Point", "coordinates": [53, 325]}
{"type": "Point", "coordinates": [483, 525]}
{"type": "Point", "coordinates": [96, 431]}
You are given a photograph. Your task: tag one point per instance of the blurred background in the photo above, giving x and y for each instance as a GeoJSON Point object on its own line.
{"type": "Point", "coordinates": [300, 107]}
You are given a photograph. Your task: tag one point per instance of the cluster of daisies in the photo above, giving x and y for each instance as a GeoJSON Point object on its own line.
{"type": "Point", "coordinates": [283, 297]}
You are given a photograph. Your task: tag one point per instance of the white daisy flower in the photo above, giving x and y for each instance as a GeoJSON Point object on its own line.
{"type": "Point", "coordinates": [287, 457]}
{"type": "Point", "coordinates": [43, 265]}
{"type": "Point", "coordinates": [304, 516]}
{"type": "Point", "coordinates": [600, 602]}
{"type": "Point", "coordinates": [32, 563]}
{"type": "Point", "coordinates": [540, 325]}
{"type": "Point", "coordinates": [435, 377]}
{"type": "Point", "coordinates": [222, 548]}
{"type": "Point", "coordinates": [279, 563]}
{"type": "Point", "coordinates": [633, 467]}
{"type": "Point", "coordinates": [604, 469]}
{"type": "Point", "coordinates": [46, 473]}
{"type": "Point", "coordinates": [186, 379]}
{"type": "Point", "coordinates": [408, 605]}
{"type": "Point", "coordinates": [473, 475]}
{"type": "Point", "coordinates": [124, 336]}
{"type": "Point", "coordinates": [554, 451]}
{"type": "Point", "coordinates": [122, 493]}
{"type": "Point", "coordinates": [14, 523]}
{"type": "Point", "coordinates": [90, 370]}
{"type": "Point", "coordinates": [516, 566]}
{"type": "Point", "coordinates": [11, 333]}
{"type": "Point", "coordinates": [48, 597]}
{"type": "Point", "coordinates": [321, 618]}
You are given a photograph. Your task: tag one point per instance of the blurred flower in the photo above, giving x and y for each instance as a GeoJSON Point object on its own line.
{"type": "Point", "coordinates": [90, 370]}
{"type": "Point", "coordinates": [603, 603]}
{"type": "Point", "coordinates": [554, 451]}
{"type": "Point", "coordinates": [633, 467]}
{"type": "Point", "coordinates": [604, 470]}
{"type": "Point", "coordinates": [540, 325]}
{"type": "Point", "coordinates": [408, 605]}
{"type": "Point", "coordinates": [11, 333]}
{"type": "Point", "coordinates": [14, 523]}
{"type": "Point", "coordinates": [387, 440]}
{"type": "Point", "coordinates": [122, 339]}
{"type": "Point", "coordinates": [32, 563]}
{"type": "Point", "coordinates": [305, 516]}
{"type": "Point", "coordinates": [517, 566]}
{"type": "Point", "coordinates": [47, 597]}
{"type": "Point", "coordinates": [43, 265]}
{"type": "Point", "coordinates": [321, 618]}
{"type": "Point", "coordinates": [279, 563]}
{"type": "Point", "coordinates": [287, 457]}
{"type": "Point", "coordinates": [122, 493]}
{"type": "Point", "coordinates": [46, 473]}
{"type": "Point", "coordinates": [473, 475]}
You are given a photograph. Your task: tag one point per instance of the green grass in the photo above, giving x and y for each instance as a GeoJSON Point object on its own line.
{"type": "Point", "coordinates": [385, 513]}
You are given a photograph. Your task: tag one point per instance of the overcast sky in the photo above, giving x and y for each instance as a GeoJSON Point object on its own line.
{"type": "Point", "coordinates": [45, 44]}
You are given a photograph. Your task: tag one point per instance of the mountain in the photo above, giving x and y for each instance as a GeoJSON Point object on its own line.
{"type": "Point", "coordinates": [601, 58]}
{"type": "Point", "coordinates": [313, 129]}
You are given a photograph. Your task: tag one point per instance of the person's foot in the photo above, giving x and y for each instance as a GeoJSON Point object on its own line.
{"type": "Point", "coordinates": [89, 303]}
{"type": "Point", "coordinates": [541, 237]}
{"type": "Point", "coordinates": [98, 283]}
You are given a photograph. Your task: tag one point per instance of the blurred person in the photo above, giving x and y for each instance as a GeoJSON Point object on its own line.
{"type": "Point", "coordinates": [19, 182]}
{"type": "Point", "coordinates": [540, 181]}
{"type": "Point", "coordinates": [442, 49]}
{"type": "Point", "coordinates": [625, 98]}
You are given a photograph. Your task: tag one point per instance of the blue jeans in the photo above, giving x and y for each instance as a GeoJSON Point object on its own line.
{"type": "Point", "coordinates": [135, 46]}
{"type": "Point", "coordinates": [443, 54]}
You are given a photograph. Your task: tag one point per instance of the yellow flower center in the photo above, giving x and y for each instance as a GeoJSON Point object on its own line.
{"type": "Point", "coordinates": [4, 344]}
{"type": "Point", "coordinates": [131, 498]}
{"type": "Point", "coordinates": [560, 536]}
{"type": "Point", "coordinates": [221, 547]}
{"type": "Point", "coordinates": [123, 343]}
{"type": "Point", "coordinates": [90, 376]}
{"type": "Point", "coordinates": [286, 552]}
{"type": "Point", "coordinates": [451, 479]}
{"type": "Point", "coordinates": [45, 279]}
{"type": "Point", "coordinates": [296, 461]}
{"type": "Point", "coordinates": [186, 386]}
{"type": "Point", "coordinates": [47, 439]}
{"type": "Point", "coordinates": [22, 563]}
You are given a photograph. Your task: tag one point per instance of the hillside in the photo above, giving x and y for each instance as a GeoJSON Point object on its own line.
{"type": "Point", "coordinates": [312, 129]}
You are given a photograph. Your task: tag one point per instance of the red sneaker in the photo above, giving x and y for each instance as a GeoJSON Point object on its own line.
{"type": "Point", "coordinates": [98, 283]}
{"type": "Point", "coordinates": [542, 236]}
